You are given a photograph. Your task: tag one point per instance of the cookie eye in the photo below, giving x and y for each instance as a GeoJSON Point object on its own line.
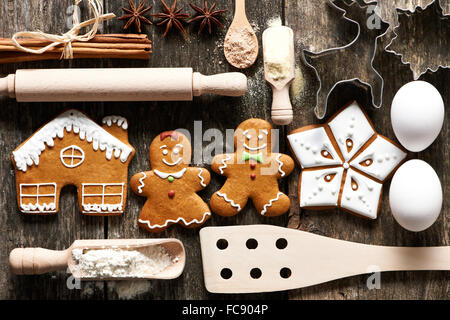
{"type": "Point", "coordinates": [366, 163]}
{"type": "Point", "coordinates": [176, 150]}
{"type": "Point", "coordinates": [349, 144]}
{"type": "Point", "coordinates": [354, 185]}
{"type": "Point", "coordinates": [248, 136]}
{"type": "Point", "coordinates": [260, 137]}
{"type": "Point", "coordinates": [165, 152]}
{"type": "Point", "coordinates": [326, 154]}
{"type": "Point", "coordinates": [329, 177]}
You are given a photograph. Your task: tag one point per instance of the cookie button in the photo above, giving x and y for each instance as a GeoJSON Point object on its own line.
{"type": "Point", "coordinates": [253, 176]}
{"type": "Point", "coordinates": [171, 193]}
{"type": "Point", "coordinates": [253, 165]}
{"type": "Point", "coordinates": [170, 179]}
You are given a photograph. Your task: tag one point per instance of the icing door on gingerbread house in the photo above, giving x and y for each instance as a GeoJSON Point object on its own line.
{"type": "Point", "coordinates": [74, 150]}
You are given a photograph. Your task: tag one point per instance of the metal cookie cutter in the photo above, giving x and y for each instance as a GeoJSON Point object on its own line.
{"type": "Point", "coordinates": [329, 65]}
{"type": "Point", "coordinates": [411, 27]}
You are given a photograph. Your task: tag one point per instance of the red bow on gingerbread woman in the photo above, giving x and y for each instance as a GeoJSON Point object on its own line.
{"type": "Point", "coordinates": [252, 172]}
{"type": "Point", "coordinates": [171, 186]}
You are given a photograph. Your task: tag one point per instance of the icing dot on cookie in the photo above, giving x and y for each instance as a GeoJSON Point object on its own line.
{"type": "Point", "coordinates": [165, 152]}
{"type": "Point", "coordinates": [346, 165]}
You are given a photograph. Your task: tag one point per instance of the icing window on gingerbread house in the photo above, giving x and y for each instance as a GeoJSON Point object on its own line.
{"type": "Point", "coordinates": [102, 197]}
{"type": "Point", "coordinates": [38, 197]}
{"type": "Point", "coordinates": [72, 156]}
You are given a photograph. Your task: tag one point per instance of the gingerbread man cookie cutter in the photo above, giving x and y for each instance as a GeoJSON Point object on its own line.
{"type": "Point", "coordinates": [374, 84]}
{"type": "Point", "coordinates": [433, 8]}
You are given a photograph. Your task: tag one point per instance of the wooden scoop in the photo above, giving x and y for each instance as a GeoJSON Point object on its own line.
{"type": "Point", "coordinates": [29, 261]}
{"type": "Point", "coordinates": [263, 258]}
{"type": "Point", "coordinates": [241, 45]}
{"type": "Point", "coordinates": [279, 70]}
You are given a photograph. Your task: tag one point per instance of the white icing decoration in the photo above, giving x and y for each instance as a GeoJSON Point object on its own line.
{"type": "Point", "coordinates": [164, 175]}
{"type": "Point", "coordinates": [171, 164]}
{"type": "Point", "coordinates": [317, 192]}
{"type": "Point", "coordinates": [71, 120]}
{"type": "Point", "coordinates": [280, 165]}
{"type": "Point", "coordinates": [319, 138]}
{"type": "Point", "coordinates": [312, 180]}
{"type": "Point", "coordinates": [271, 201]}
{"type": "Point", "coordinates": [224, 196]}
{"type": "Point", "coordinates": [141, 181]}
{"type": "Point", "coordinates": [365, 199]}
{"type": "Point", "coordinates": [102, 207]}
{"type": "Point", "coordinates": [36, 207]}
{"type": "Point", "coordinates": [202, 181]}
{"type": "Point", "coordinates": [340, 128]}
{"type": "Point", "coordinates": [72, 156]}
{"type": "Point", "coordinates": [227, 158]}
{"type": "Point", "coordinates": [254, 148]}
{"type": "Point", "coordinates": [195, 221]}
{"type": "Point", "coordinates": [379, 169]}
{"type": "Point", "coordinates": [120, 121]}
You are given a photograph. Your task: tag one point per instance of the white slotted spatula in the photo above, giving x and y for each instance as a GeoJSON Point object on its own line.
{"type": "Point", "coordinates": [264, 258]}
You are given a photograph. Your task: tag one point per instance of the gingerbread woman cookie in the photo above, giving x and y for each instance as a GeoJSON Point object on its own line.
{"type": "Point", "coordinates": [252, 172]}
{"type": "Point", "coordinates": [171, 186]}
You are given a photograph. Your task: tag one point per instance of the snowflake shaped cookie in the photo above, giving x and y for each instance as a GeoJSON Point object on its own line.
{"type": "Point", "coordinates": [344, 162]}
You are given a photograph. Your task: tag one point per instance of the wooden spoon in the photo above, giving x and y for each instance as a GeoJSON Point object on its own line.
{"type": "Point", "coordinates": [241, 44]}
{"type": "Point", "coordinates": [29, 261]}
{"type": "Point", "coordinates": [263, 258]}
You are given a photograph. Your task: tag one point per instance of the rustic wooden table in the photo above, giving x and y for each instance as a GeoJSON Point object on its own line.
{"type": "Point", "coordinates": [316, 27]}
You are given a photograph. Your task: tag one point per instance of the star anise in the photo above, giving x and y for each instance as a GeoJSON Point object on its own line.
{"type": "Point", "coordinates": [207, 16]}
{"type": "Point", "coordinates": [135, 15]}
{"type": "Point", "coordinates": [171, 16]}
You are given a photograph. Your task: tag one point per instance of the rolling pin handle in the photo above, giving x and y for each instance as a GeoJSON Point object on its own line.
{"type": "Point", "coordinates": [232, 84]}
{"type": "Point", "coordinates": [7, 86]}
{"type": "Point", "coordinates": [282, 113]}
{"type": "Point", "coordinates": [28, 261]}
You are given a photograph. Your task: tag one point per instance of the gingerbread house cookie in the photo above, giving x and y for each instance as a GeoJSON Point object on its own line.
{"type": "Point", "coordinates": [252, 172]}
{"type": "Point", "coordinates": [344, 163]}
{"type": "Point", "coordinates": [171, 186]}
{"type": "Point", "coordinates": [74, 150]}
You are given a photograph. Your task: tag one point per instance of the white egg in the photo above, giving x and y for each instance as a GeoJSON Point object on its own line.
{"type": "Point", "coordinates": [417, 115]}
{"type": "Point", "coordinates": [415, 195]}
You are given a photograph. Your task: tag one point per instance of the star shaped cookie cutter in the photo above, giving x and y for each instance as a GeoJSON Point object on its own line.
{"type": "Point", "coordinates": [417, 72]}
{"type": "Point", "coordinates": [376, 83]}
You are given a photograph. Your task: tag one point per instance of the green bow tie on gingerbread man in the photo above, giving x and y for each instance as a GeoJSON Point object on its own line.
{"type": "Point", "coordinates": [248, 156]}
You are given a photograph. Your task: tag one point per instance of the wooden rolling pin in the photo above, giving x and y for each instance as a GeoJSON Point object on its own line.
{"type": "Point", "coordinates": [33, 261]}
{"type": "Point", "coordinates": [127, 84]}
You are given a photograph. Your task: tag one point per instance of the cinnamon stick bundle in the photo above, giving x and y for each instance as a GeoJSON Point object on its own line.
{"type": "Point", "coordinates": [120, 46]}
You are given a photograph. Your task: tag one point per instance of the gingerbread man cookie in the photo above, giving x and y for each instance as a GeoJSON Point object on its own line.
{"type": "Point", "coordinates": [252, 172]}
{"type": "Point", "coordinates": [171, 186]}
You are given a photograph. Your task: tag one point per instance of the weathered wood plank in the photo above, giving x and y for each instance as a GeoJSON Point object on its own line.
{"type": "Point", "coordinates": [305, 17]}
{"type": "Point", "coordinates": [205, 54]}
{"type": "Point", "coordinates": [317, 28]}
{"type": "Point", "coordinates": [17, 123]}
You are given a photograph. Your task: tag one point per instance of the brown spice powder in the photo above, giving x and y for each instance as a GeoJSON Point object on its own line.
{"type": "Point", "coordinates": [241, 47]}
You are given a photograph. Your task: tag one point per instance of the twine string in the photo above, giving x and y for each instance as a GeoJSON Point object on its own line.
{"type": "Point", "coordinates": [67, 38]}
